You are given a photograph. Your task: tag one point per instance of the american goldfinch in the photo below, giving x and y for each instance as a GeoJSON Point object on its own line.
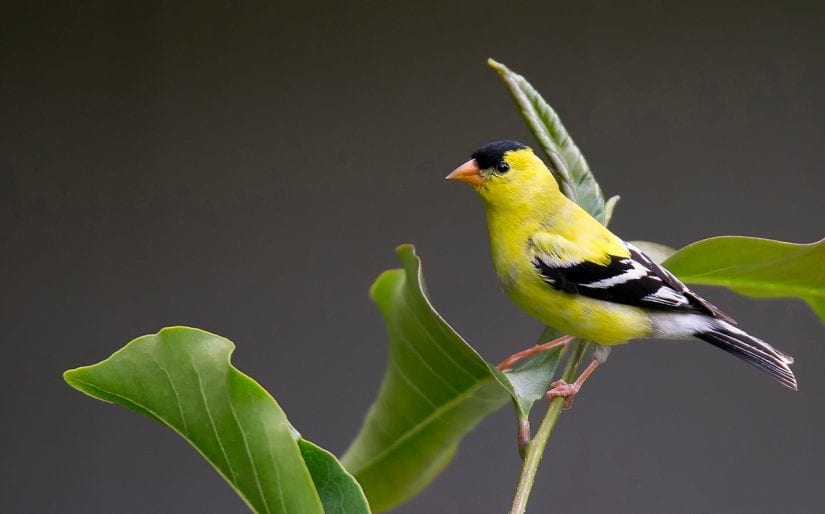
{"type": "Point", "coordinates": [567, 270]}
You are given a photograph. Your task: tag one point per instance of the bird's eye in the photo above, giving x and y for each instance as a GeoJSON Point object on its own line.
{"type": "Point", "coordinates": [503, 167]}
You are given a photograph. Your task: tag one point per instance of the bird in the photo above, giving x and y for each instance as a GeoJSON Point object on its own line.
{"type": "Point", "coordinates": [566, 269]}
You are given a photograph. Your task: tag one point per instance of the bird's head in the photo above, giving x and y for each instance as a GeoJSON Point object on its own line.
{"type": "Point", "coordinates": [506, 174]}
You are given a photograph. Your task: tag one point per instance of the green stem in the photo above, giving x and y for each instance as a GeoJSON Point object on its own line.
{"type": "Point", "coordinates": [535, 448]}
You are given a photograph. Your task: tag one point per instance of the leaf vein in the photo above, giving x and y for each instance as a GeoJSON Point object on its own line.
{"type": "Point", "coordinates": [212, 423]}
{"type": "Point", "coordinates": [429, 419]}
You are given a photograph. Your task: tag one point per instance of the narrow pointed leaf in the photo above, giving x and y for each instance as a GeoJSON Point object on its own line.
{"type": "Point", "coordinates": [567, 162]}
{"type": "Point", "coordinates": [577, 182]}
{"type": "Point", "coordinates": [183, 378]}
{"type": "Point", "coordinates": [756, 267]}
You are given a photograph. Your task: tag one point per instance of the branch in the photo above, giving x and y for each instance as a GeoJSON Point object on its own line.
{"type": "Point", "coordinates": [535, 448]}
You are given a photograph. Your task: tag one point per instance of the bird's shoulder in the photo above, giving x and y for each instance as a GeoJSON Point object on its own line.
{"type": "Point", "coordinates": [576, 244]}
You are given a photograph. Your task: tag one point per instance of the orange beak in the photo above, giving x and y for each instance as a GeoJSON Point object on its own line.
{"type": "Point", "coordinates": [468, 172]}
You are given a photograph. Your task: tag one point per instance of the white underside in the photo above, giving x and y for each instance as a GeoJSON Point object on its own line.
{"type": "Point", "coordinates": [680, 325]}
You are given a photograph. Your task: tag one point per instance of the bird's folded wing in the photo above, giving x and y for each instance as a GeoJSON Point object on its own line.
{"type": "Point", "coordinates": [630, 279]}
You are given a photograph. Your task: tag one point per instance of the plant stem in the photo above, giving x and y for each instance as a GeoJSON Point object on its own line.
{"type": "Point", "coordinates": [535, 448]}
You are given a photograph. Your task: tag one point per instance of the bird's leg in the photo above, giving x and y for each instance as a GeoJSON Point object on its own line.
{"type": "Point", "coordinates": [516, 357]}
{"type": "Point", "coordinates": [568, 391]}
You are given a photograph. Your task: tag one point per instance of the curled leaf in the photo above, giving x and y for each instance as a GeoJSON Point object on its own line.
{"type": "Point", "coordinates": [435, 390]}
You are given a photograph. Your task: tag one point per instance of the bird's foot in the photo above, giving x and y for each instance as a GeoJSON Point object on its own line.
{"type": "Point", "coordinates": [565, 390]}
{"type": "Point", "coordinates": [568, 391]}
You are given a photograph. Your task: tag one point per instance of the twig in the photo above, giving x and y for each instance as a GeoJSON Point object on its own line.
{"type": "Point", "coordinates": [535, 448]}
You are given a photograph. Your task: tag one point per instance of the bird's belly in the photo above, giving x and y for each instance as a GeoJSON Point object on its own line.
{"type": "Point", "coordinates": [595, 320]}
{"type": "Point", "coordinates": [587, 318]}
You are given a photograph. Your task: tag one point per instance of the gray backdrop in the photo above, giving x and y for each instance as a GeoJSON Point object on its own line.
{"type": "Point", "coordinates": [248, 168]}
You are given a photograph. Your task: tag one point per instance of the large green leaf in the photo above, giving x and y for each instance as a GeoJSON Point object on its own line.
{"type": "Point", "coordinates": [756, 267]}
{"type": "Point", "coordinates": [436, 389]}
{"type": "Point", "coordinates": [182, 377]}
{"type": "Point", "coordinates": [567, 162]}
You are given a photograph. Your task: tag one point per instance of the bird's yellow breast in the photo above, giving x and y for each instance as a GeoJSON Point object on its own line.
{"type": "Point", "coordinates": [513, 256]}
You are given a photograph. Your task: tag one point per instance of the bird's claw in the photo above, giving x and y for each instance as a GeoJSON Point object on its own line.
{"type": "Point", "coordinates": [565, 390]}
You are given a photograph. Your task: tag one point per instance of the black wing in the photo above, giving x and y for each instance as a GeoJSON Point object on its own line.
{"type": "Point", "coordinates": [634, 280]}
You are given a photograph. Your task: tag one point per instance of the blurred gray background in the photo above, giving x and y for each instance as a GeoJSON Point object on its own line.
{"type": "Point", "coordinates": [249, 167]}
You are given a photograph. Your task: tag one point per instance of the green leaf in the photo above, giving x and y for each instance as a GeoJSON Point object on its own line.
{"type": "Point", "coordinates": [609, 207]}
{"type": "Point", "coordinates": [576, 181]}
{"type": "Point", "coordinates": [530, 381]}
{"type": "Point", "coordinates": [339, 491]}
{"type": "Point", "coordinates": [567, 162]}
{"type": "Point", "coordinates": [656, 251]}
{"type": "Point", "coordinates": [435, 390]}
{"type": "Point", "coordinates": [182, 377]}
{"type": "Point", "coordinates": [756, 267]}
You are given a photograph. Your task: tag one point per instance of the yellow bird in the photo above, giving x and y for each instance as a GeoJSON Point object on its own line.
{"type": "Point", "coordinates": [567, 270]}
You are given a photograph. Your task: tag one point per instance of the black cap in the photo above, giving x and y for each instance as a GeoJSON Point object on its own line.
{"type": "Point", "coordinates": [491, 154]}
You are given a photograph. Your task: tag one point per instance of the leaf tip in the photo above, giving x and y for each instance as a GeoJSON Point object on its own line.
{"type": "Point", "coordinates": [495, 64]}
{"type": "Point", "coordinates": [409, 258]}
{"type": "Point", "coordinates": [609, 206]}
{"type": "Point", "coordinates": [70, 377]}
{"type": "Point", "coordinates": [391, 278]}
{"type": "Point", "coordinates": [405, 250]}
{"type": "Point", "coordinates": [383, 283]}
{"type": "Point", "coordinates": [498, 67]}
{"type": "Point", "coordinates": [74, 378]}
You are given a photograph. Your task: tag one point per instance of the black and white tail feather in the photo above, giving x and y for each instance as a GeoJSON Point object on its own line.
{"type": "Point", "coordinates": [752, 350]}
{"type": "Point", "coordinates": [725, 336]}
{"type": "Point", "coordinates": [674, 310]}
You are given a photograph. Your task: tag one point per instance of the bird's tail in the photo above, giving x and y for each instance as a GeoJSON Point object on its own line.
{"type": "Point", "coordinates": [752, 350]}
